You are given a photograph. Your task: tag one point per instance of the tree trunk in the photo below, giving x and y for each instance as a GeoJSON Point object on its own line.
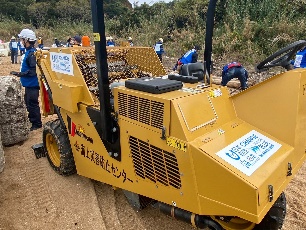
{"type": "Point", "coordinates": [234, 83]}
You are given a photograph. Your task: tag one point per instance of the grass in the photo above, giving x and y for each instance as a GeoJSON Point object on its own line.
{"type": "Point", "coordinates": [247, 33]}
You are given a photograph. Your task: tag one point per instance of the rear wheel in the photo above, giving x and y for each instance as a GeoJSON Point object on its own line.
{"type": "Point", "coordinates": [273, 220]}
{"type": "Point", "coordinates": [57, 145]}
{"type": "Point", "coordinates": [235, 223]}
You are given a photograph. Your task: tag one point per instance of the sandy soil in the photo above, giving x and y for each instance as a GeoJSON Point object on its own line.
{"type": "Point", "coordinates": [33, 196]}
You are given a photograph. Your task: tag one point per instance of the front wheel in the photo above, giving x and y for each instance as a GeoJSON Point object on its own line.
{"type": "Point", "coordinates": [57, 146]}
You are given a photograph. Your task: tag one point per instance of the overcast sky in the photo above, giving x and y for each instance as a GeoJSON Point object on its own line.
{"type": "Point", "coordinates": [150, 2]}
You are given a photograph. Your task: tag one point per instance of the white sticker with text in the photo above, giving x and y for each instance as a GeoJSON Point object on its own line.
{"type": "Point", "coordinates": [61, 63]}
{"type": "Point", "coordinates": [249, 152]}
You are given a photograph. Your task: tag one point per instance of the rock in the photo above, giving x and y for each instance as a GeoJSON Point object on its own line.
{"type": "Point", "coordinates": [4, 49]}
{"type": "Point", "coordinates": [2, 159]}
{"type": "Point", "coordinates": [14, 123]}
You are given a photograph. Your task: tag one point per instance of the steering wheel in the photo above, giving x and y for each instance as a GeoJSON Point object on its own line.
{"type": "Point", "coordinates": [282, 57]}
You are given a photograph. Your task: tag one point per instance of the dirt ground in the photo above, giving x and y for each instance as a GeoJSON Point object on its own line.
{"type": "Point", "coordinates": [33, 196]}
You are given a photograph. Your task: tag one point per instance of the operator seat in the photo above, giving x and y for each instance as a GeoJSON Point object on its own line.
{"type": "Point", "coordinates": [193, 69]}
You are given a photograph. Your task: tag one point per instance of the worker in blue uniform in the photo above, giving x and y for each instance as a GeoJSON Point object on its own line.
{"type": "Point", "coordinates": [234, 70]}
{"type": "Point", "coordinates": [190, 56]}
{"type": "Point", "coordinates": [28, 78]}
{"type": "Point", "coordinates": [159, 49]}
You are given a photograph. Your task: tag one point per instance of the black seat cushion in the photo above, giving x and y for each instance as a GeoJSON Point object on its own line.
{"type": "Point", "coordinates": [193, 69]}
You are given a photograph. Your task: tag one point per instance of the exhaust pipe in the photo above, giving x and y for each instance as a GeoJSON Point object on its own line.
{"type": "Point", "coordinates": [195, 220]}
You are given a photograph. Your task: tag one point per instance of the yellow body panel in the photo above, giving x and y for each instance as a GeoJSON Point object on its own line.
{"type": "Point", "coordinates": [93, 161]}
{"type": "Point", "coordinates": [67, 89]}
{"type": "Point", "coordinates": [200, 112]}
{"type": "Point", "coordinates": [225, 177]}
{"type": "Point", "coordinates": [68, 95]}
{"type": "Point", "coordinates": [283, 97]}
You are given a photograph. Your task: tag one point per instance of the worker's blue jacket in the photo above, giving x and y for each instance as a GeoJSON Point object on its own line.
{"type": "Point", "coordinates": [300, 59]}
{"type": "Point", "coordinates": [28, 76]}
{"type": "Point", "coordinates": [110, 43]}
{"type": "Point", "coordinates": [187, 58]}
{"type": "Point", "coordinates": [13, 45]}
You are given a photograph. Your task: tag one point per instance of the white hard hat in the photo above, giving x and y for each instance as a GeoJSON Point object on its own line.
{"type": "Point", "coordinates": [28, 35]}
{"type": "Point", "coordinates": [130, 39]}
{"type": "Point", "coordinates": [13, 37]}
{"type": "Point", "coordinates": [160, 39]}
{"type": "Point", "coordinates": [111, 38]}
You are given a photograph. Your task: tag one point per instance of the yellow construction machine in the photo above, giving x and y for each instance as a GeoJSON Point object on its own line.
{"type": "Point", "coordinates": [178, 142]}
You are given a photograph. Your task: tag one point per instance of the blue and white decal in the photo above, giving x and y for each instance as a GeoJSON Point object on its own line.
{"type": "Point", "coordinates": [249, 152]}
{"type": "Point", "coordinates": [61, 63]}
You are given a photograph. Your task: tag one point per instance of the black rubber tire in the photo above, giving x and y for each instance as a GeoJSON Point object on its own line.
{"type": "Point", "coordinates": [59, 153]}
{"type": "Point", "coordinates": [209, 223]}
{"type": "Point", "coordinates": [274, 219]}
{"type": "Point", "coordinates": [214, 225]}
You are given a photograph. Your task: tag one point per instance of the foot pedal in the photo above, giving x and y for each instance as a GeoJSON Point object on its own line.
{"type": "Point", "coordinates": [39, 150]}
